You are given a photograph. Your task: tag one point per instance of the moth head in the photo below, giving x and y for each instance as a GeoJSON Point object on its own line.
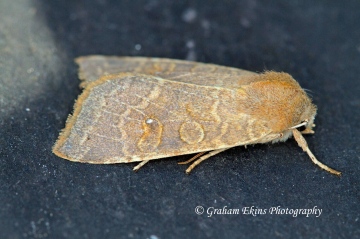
{"type": "Point", "coordinates": [305, 127]}
{"type": "Point", "coordinates": [305, 123]}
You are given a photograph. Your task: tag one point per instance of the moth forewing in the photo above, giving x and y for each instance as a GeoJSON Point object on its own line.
{"type": "Point", "coordinates": [139, 109]}
{"type": "Point", "coordinates": [143, 117]}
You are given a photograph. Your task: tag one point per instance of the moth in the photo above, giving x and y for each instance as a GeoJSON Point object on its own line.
{"type": "Point", "coordinates": [136, 109]}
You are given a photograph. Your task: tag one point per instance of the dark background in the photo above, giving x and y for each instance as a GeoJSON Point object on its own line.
{"type": "Point", "coordinates": [43, 196]}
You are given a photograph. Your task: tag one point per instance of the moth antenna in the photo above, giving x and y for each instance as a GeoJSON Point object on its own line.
{"type": "Point", "coordinates": [142, 163]}
{"type": "Point", "coordinates": [303, 144]}
{"type": "Point", "coordinates": [193, 158]}
{"type": "Point", "coordinates": [197, 162]}
{"type": "Point", "coordinates": [299, 125]}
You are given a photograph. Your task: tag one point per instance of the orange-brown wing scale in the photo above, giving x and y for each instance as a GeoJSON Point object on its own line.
{"type": "Point", "coordinates": [134, 117]}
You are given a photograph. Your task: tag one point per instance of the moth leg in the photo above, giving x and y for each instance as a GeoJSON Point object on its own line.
{"type": "Point", "coordinates": [142, 163]}
{"type": "Point", "coordinates": [302, 143]}
{"type": "Point", "coordinates": [193, 158]}
{"type": "Point", "coordinates": [307, 131]}
{"type": "Point", "coordinates": [194, 164]}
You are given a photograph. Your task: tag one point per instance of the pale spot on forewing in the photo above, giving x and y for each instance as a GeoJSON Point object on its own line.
{"type": "Point", "coordinates": [151, 137]}
{"type": "Point", "coordinates": [149, 121]}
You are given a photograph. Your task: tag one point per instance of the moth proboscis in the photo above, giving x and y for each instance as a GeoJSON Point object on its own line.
{"type": "Point", "coordinates": [136, 109]}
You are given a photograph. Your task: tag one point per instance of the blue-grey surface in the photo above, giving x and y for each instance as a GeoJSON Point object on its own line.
{"type": "Point", "coordinates": [43, 196]}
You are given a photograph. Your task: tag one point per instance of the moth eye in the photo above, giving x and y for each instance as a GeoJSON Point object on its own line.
{"type": "Point", "coordinates": [303, 127]}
